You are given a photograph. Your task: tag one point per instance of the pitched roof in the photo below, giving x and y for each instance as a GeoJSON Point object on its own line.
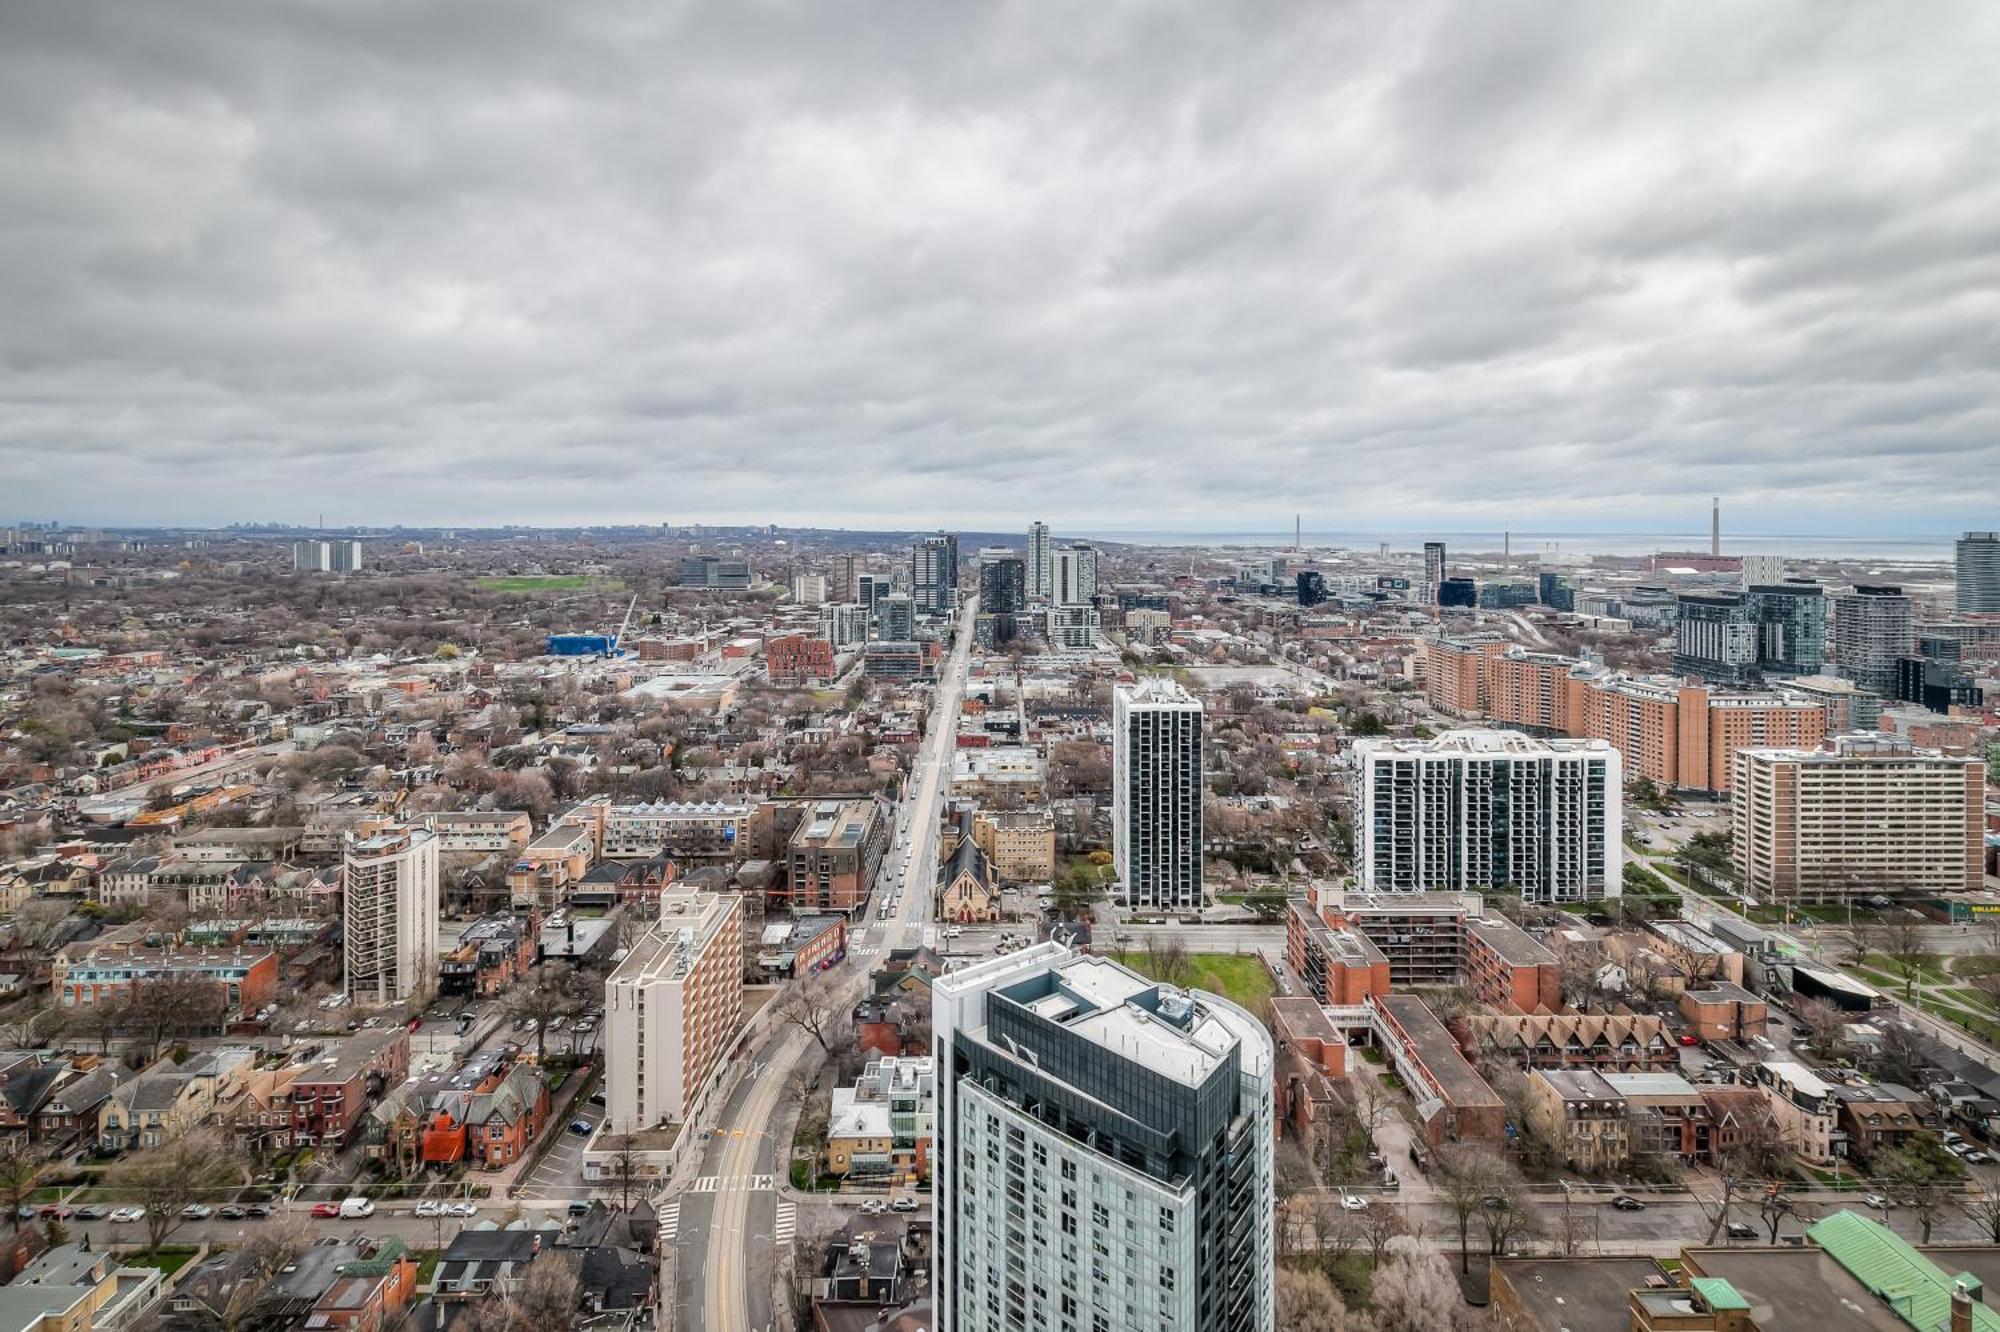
{"type": "Point", "coordinates": [1917, 1289]}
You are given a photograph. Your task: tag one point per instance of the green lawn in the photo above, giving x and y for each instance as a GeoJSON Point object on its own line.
{"type": "Point", "coordinates": [170, 1259]}
{"type": "Point", "coordinates": [549, 583]}
{"type": "Point", "coordinates": [1242, 980]}
{"type": "Point", "coordinates": [1928, 974]}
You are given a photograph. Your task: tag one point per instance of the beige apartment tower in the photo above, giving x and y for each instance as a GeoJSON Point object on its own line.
{"type": "Point", "coordinates": [671, 1010]}
{"type": "Point", "coordinates": [1869, 814]}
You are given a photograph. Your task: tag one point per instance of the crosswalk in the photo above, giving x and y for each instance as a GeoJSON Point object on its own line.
{"type": "Point", "coordinates": [714, 1183]}
{"type": "Point", "coordinates": [786, 1224]}
{"type": "Point", "coordinates": [670, 1220]}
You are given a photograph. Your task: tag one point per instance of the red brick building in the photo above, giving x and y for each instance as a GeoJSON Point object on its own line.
{"type": "Point", "coordinates": [794, 659]}
{"type": "Point", "coordinates": [329, 1100]}
{"type": "Point", "coordinates": [1506, 968]}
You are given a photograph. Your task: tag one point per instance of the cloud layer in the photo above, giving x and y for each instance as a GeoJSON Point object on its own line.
{"type": "Point", "coordinates": [1150, 266]}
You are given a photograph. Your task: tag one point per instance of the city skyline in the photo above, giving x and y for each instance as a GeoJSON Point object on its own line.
{"type": "Point", "coordinates": [583, 268]}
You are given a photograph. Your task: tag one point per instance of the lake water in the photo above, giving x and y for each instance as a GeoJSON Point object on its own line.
{"type": "Point", "coordinates": [1926, 548]}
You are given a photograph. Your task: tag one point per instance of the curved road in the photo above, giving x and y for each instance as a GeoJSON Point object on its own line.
{"type": "Point", "coordinates": [729, 1230]}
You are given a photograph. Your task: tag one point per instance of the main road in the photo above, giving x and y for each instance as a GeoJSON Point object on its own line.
{"type": "Point", "coordinates": [729, 1232]}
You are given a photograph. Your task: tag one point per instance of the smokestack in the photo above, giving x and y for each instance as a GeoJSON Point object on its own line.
{"type": "Point", "coordinates": [1297, 529]}
{"type": "Point", "coordinates": [1507, 550]}
{"type": "Point", "coordinates": [1715, 526]}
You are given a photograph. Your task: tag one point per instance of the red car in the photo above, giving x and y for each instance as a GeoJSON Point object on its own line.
{"type": "Point", "coordinates": [1688, 1038]}
{"type": "Point", "coordinates": [326, 1209]}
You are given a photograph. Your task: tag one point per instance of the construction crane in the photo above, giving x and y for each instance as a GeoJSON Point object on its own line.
{"type": "Point", "coordinates": [623, 624]}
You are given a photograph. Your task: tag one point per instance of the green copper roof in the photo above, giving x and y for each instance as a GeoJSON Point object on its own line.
{"type": "Point", "coordinates": [1916, 1289]}
{"type": "Point", "coordinates": [1718, 1294]}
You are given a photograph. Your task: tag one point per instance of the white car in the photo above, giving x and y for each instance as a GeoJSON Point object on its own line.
{"type": "Point", "coordinates": [1351, 1203]}
{"type": "Point", "coordinates": [463, 1209]}
{"type": "Point", "coordinates": [873, 1207]}
{"type": "Point", "coordinates": [125, 1214]}
{"type": "Point", "coordinates": [430, 1207]}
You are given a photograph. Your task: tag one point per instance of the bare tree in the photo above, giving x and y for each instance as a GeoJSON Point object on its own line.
{"type": "Point", "coordinates": [1825, 1025]}
{"type": "Point", "coordinates": [1413, 1290]}
{"type": "Point", "coordinates": [1507, 1213]}
{"type": "Point", "coordinates": [545, 1300]}
{"type": "Point", "coordinates": [1308, 1302]}
{"type": "Point", "coordinates": [1380, 1224]}
{"type": "Point", "coordinates": [625, 1168]}
{"type": "Point", "coordinates": [1466, 1177]}
{"type": "Point", "coordinates": [20, 1171]}
{"type": "Point", "coordinates": [1775, 1207]}
{"type": "Point", "coordinates": [1755, 1155]}
{"type": "Point", "coordinates": [810, 1004]}
{"type": "Point", "coordinates": [1985, 1209]}
{"type": "Point", "coordinates": [1907, 950]}
{"type": "Point", "coordinates": [193, 1167]}
{"type": "Point", "coordinates": [555, 991]}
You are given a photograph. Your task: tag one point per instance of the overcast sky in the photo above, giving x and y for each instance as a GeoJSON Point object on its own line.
{"type": "Point", "coordinates": [1158, 266]}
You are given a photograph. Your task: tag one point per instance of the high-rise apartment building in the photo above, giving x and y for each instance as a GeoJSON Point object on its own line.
{"type": "Point", "coordinates": [1867, 814]}
{"type": "Point", "coordinates": [1156, 794]}
{"type": "Point", "coordinates": [808, 589]}
{"type": "Point", "coordinates": [1978, 582]}
{"type": "Point", "coordinates": [896, 617]}
{"type": "Point", "coordinates": [1041, 575]}
{"type": "Point", "coordinates": [1762, 569]}
{"type": "Point", "coordinates": [1075, 576]}
{"type": "Point", "coordinates": [934, 574]}
{"type": "Point", "coordinates": [1103, 1160]}
{"type": "Point", "coordinates": [1433, 569]}
{"type": "Point", "coordinates": [672, 1008]}
{"type": "Point", "coordinates": [1872, 631]}
{"type": "Point", "coordinates": [1490, 810]}
{"type": "Point", "coordinates": [1739, 637]}
{"type": "Point", "coordinates": [846, 569]}
{"type": "Point", "coordinates": [389, 915]}
{"type": "Point", "coordinates": [336, 555]}
{"type": "Point", "coordinates": [869, 589]}
{"type": "Point", "coordinates": [843, 624]}
{"type": "Point", "coordinates": [1003, 582]}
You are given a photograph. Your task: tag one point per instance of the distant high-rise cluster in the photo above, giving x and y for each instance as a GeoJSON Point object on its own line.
{"type": "Point", "coordinates": [1039, 573]}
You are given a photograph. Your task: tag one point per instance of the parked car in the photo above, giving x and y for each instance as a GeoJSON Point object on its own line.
{"type": "Point", "coordinates": [430, 1207]}
{"type": "Point", "coordinates": [326, 1209]}
{"type": "Point", "coordinates": [92, 1212]}
{"type": "Point", "coordinates": [1689, 1038]}
{"type": "Point", "coordinates": [1977, 1157]}
{"type": "Point", "coordinates": [903, 1203]}
{"type": "Point", "coordinates": [579, 1208]}
{"type": "Point", "coordinates": [1351, 1202]}
{"type": "Point", "coordinates": [1741, 1230]}
{"type": "Point", "coordinates": [597, 1098]}
{"type": "Point", "coordinates": [463, 1209]}
{"type": "Point", "coordinates": [1628, 1204]}
{"type": "Point", "coordinates": [1878, 1202]}
{"type": "Point", "coordinates": [580, 1127]}
{"type": "Point", "coordinates": [353, 1209]}
{"type": "Point", "coordinates": [197, 1212]}
{"type": "Point", "coordinates": [122, 1215]}
{"type": "Point", "coordinates": [873, 1207]}
{"type": "Point", "coordinates": [257, 1210]}
{"type": "Point", "coordinates": [58, 1212]}
{"type": "Point", "coordinates": [232, 1212]}
{"type": "Point", "coordinates": [26, 1213]}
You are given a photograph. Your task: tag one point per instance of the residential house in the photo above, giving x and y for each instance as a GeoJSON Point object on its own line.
{"type": "Point", "coordinates": [75, 1288]}
{"type": "Point", "coordinates": [1622, 1042]}
{"type": "Point", "coordinates": [883, 1125]}
{"type": "Point", "coordinates": [369, 1294]}
{"type": "Point", "coordinates": [1666, 1116]}
{"type": "Point", "coordinates": [71, 1111]}
{"type": "Point", "coordinates": [489, 1114]}
{"type": "Point", "coordinates": [1875, 1122]}
{"type": "Point", "coordinates": [1581, 1115]}
{"type": "Point", "coordinates": [338, 1083]}
{"type": "Point", "coordinates": [1803, 1107]}
{"type": "Point", "coordinates": [163, 1102]}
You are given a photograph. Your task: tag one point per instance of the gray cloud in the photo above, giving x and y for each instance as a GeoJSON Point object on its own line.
{"type": "Point", "coordinates": [1183, 265]}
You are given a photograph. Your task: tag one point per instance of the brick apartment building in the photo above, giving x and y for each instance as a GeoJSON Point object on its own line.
{"type": "Point", "coordinates": [795, 659]}
{"type": "Point", "coordinates": [329, 1099]}
{"type": "Point", "coordinates": [834, 854]}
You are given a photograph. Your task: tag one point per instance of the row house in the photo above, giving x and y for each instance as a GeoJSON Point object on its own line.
{"type": "Point", "coordinates": [334, 1090]}
{"type": "Point", "coordinates": [1581, 1115]}
{"type": "Point", "coordinates": [1607, 1042]}
{"type": "Point", "coordinates": [163, 1102]}
{"type": "Point", "coordinates": [117, 968]}
{"type": "Point", "coordinates": [492, 953]}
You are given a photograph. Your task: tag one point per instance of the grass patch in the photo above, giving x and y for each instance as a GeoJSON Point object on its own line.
{"type": "Point", "coordinates": [1928, 974]}
{"type": "Point", "coordinates": [170, 1258]}
{"type": "Point", "coordinates": [1371, 1055]}
{"type": "Point", "coordinates": [1392, 1082]}
{"type": "Point", "coordinates": [427, 1263]}
{"type": "Point", "coordinates": [802, 1180]}
{"type": "Point", "coordinates": [529, 583]}
{"type": "Point", "coordinates": [1241, 980]}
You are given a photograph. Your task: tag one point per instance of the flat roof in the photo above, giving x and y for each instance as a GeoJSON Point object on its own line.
{"type": "Point", "coordinates": [1514, 944]}
{"type": "Point", "coordinates": [1438, 1051]}
{"type": "Point", "coordinates": [1576, 1293]}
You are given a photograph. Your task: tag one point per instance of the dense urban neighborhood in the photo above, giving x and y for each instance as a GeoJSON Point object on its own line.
{"type": "Point", "coordinates": [761, 927]}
